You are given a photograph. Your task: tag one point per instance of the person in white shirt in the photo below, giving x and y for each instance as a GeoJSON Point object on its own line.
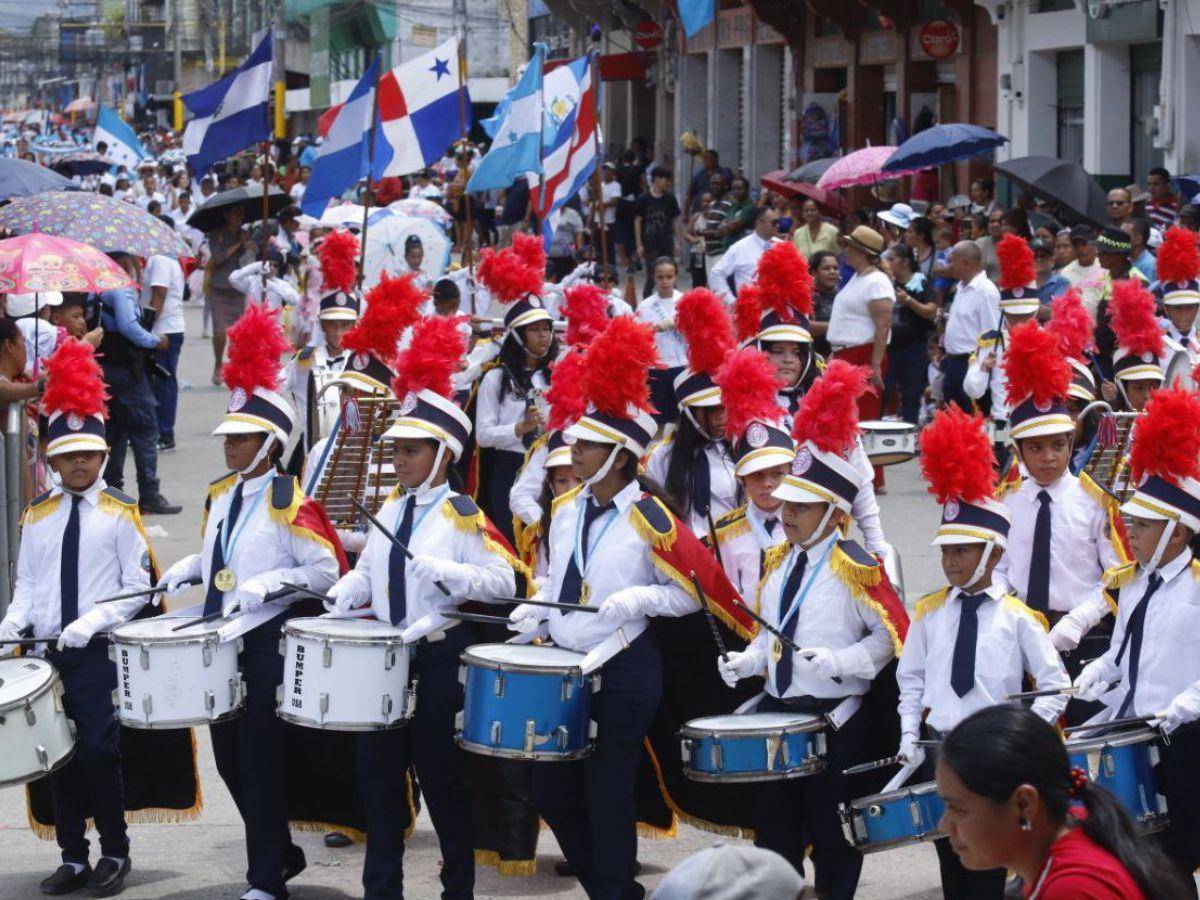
{"type": "Point", "coordinates": [162, 291]}
{"type": "Point", "coordinates": [423, 188]}
{"type": "Point", "coordinates": [970, 644]}
{"type": "Point", "coordinates": [740, 263]}
{"type": "Point", "coordinates": [297, 192]}
{"type": "Point", "coordinates": [315, 366]}
{"type": "Point", "coordinates": [1178, 290]}
{"type": "Point", "coordinates": [249, 279]}
{"type": "Point", "coordinates": [975, 310]}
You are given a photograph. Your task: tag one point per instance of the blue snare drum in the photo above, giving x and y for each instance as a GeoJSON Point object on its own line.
{"type": "Point", "coordinates": [883, 821]}
{"type": "Point", "coordinates": [526, 701]}
{"type": "Point", "coordinates": [767, 746]}
{"type": "Point", "coordinates": [1124, 763]}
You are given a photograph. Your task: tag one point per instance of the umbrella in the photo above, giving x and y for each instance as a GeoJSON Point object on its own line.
{"type": "Point", "coordinates": [1061, 181]}
{"type": "Point", "coordinates": [344, 215]}
{"type": "Point", "coordinates": [811, 171]}
{"type": "Point", "coordinates": [780, 182]}
{"type": "Point", "coordinates": [860, 167]}
{"type": "Point", "coordinates": [419, 208]}
{"type": "Point", "coordinates": [41, 262]}
{"type": "Point", "coordinates": [80, 104]}
{"type": "Point", "coordinates": [385, 246]}
{"type": "Point", "coordinates": [211, 213]}
{"type": "Point", "coordinates": [21, 178]}
{"type": "Point", "coordinates": [942, 144]}
{"type": "Point", "coordinates": [104, 222]}
{"type": "Point", "coordinates": [1188, 187]}
{"type": "Point", "coordinates": [82, 164]}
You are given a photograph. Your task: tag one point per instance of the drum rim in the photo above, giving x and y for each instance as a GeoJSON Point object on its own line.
{"type": "Point", "coordinates": [171, 637]}
{"type": "Point", "coordinates": [1120, 739]}
{"type": "Point", "coordinates": [918, 790]}
{"type": "Point", "coordinates": [689, 730]}
{"type": "Point", "coordinates": [41, 690]}
{"type": "Point", "coordinates": [293, 630]}
{"type": "Point", "coordinates": [813, 765]}
{"type": "Point", "coordinates": [175, 724]}
{"type": "Point", "coordinates": [469, 659]}
{"type": "Point", "coordinates": [882, 425]}
{"type": "Point", "coordinates": [536, 755]}
{"type": "Point", "coordinates": [70, 754]}
{"type": "Point", "coordinates": [361, 727]}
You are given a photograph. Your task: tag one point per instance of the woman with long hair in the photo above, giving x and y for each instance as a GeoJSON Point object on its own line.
{"type": "Point", "coordinates": [1013, 801]}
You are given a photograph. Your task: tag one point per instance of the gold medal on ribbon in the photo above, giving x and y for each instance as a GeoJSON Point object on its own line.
{"type": "Point", "coordinates": [776, 650]}
{"type": "Point", "coordinates": [225, 580]}
{"type": "Point", "coordinates": [585, 594]}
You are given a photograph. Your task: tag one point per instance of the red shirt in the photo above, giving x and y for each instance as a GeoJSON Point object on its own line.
{"type": "Point", "coordinates": [1080, 869]}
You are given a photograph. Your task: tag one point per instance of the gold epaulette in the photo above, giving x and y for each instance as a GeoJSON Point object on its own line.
{"type": "Point", "coordinates": [930, 603]}
{"type": "Point", "coordinates": [854, 567]}
{"type": "Point", "coordinates": [732, 524]}
{"type": "Point", "coordinates": [1119, 576]}
{"type": "Point", "coordinates": [1112, 511]}
{"type": "Point", "coordinates": [1017, 605]}
{"type": "Point", "coordinates": [772, 559]}
{"type": "Point", "coordinates": [40, 507]}
{"type": "Point", "coordinates": [653, 522]}
{"type": "Point", "coordinates": [563, 498]}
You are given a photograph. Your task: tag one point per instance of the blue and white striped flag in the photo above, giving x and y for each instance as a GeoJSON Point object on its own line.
{"type": "Point", "coordinates": [121, 144]}
{"type": "Point", "coordinates": [517, 148]}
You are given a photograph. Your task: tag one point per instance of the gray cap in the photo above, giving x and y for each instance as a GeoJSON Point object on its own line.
{"type": "Point", "coordinates": [731, 872]}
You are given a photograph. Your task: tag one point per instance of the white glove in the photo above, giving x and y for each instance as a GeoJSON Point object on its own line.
{"type": "Point", "coordinates": [1180, 712]}
{"type": "Point", "coordinates": [627, 603]}
{"type": "Point", "coordinates": [745, 664]}
{"type": "Point", "coordinates": [250, 595]}
{"type": "Point", "coordinates": [83, 629]}
{"type": "Point", "coordinates": [348, 596]}
{"type": "Point", "coordinates": [1067, 634]}
{"type": "Point", "coordinates": [173, 581]}
{"type": "Point", "coordinates": [352, 541]}
{"type": "Point", "coordinates": [9, 631]}
{"type": "Point", "coordinates": [1091, 683]}
{"type": "Point", "coordinates": [455, 576]}
{"type": "Point", "coordinates": [526, 617]}
{"type": "Point", "coordinates": [824, 660]}
{"type": "Point", "coordinates": [910, 754]}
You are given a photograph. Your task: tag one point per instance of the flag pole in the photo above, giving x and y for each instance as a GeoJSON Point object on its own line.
{"type": "Point", "coordinates": [266, 181]}
{"type": "Point", "coordinates": [597, 182]}
{"type": "Point", "coordinates": [369, 196]}
{"type": "Point", "coordinates": [468, 253]}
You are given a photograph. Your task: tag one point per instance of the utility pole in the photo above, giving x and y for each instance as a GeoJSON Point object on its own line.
{"type": "Point", "coordinates": [280, 24]}
{"type": "Point", "coordinates": [176, 45]}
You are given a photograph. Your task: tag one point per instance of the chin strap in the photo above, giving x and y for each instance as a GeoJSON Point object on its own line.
{"type": "Point", "coordinates": [259, 456]}
{"type": "Point", "coordinates": [1161, 547]}
{"type": "Point", "coordinates": [433, 470]}
{"type": "Point", "coordinates": [603, 470]}
{"type": "Point", "coordinates": [818, 533]}
{"type": "Point", "coordinates": [687, 411]}
{"type": "Point", "coordinates": [983, 561]}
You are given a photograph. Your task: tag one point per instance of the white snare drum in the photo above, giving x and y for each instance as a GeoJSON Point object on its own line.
{"type": "Point", "coordinates": [174, 679]}
{"type": "Point", "coordinates": [345, 675]}
{"type": "Point", "coordinates": [36, 737]}
{"type": "Point", "coordinates": [888, 443]}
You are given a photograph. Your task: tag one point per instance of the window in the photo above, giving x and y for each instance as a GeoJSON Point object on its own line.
{"type": "Point", "coordinates": [1069, 65]}
{"type": "Point", "coordinates": [1045, 6]}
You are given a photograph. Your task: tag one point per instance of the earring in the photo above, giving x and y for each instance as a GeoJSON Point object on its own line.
{"type": "Point", "coordinates": [1025, 824]}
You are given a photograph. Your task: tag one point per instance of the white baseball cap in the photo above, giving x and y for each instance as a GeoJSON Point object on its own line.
{"type": "Point", "coordinates": [17, 306]}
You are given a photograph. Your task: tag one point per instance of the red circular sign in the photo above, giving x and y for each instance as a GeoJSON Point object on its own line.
{"type": "Point", "coordinates": [648, 34]}
{"type": "Point", "coordinates": [939, 38]}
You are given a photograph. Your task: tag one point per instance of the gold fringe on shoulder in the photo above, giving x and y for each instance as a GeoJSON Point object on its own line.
{"type": "Point", "coordinates": [287, 515]}
{"type": "Point", "coordinates": [564, 497]}
{"type": "Point", "coordinates": [772, 559]}
{"type": "Point", "coordinates": [733, 525]}
{"type": "Point", "coordinates": [930, 603]}
{"type": "Point", "coordinates": [1019, 606]}
{"type": "Point", "coordinates": [657, 540]}
{"type": "Point", "coordinates": [856, 576]}
{"type": "Point", "coordinates": [1112, 511]}
{"type": "Point", "coordinates": [1119, 576]}
{"type": "Point", "coordinates": [1195, 566]}
{"type": "Point", "coordinates": [538, 443]}
{"type": "Point", "coordinates": [34, 514]}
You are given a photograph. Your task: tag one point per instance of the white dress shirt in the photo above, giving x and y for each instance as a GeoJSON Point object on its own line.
{"type": "Point", "coordinates": [672, 348]}
{"type": "Point", "coordinates": [114, 558]}
{"type": "Point", "coordinates": [524, 499]}
{"type": "Point", "coordinates": [435, 533]}
{"type": "Point", "coordinates": [739, 262]}
{"type": "Point", "coordinates": [1009, 643]}
{"type": "Point", "coordinates": [618, 557]}
{"type": "Point", "coordinates": [496, 418]}
{"type": "Point", "coordinates": [1081, 546]}
{"type": "Point", "coordinates": [742, 544]}
{"type": "Point", "coordinates": [724, 494]}
{"type": "Point", "coordinates": [296, 376]}
{"type": "Point", "coordinates": [829, 617]}
{"type": "Point", "coordinates": [248, 279]}
{"type": "Point", "coordinates": [978, 382]}
{"type": "Point", "coordinates": [976, 309]}
{"type": "Point", "coordinates": [851, 323]}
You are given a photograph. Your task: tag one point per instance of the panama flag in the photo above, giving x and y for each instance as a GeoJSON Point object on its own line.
{"type": "Point", "coordinates": [421, 104]}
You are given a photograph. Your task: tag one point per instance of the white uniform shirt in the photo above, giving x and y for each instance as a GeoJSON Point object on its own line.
{"type": "Point", "coordinates": [977, 382]}
{"type": "Point", "coordinates": [742, 548]}
{"type": "Point", "coordinates": [739, 262]}
{"type": "Point", "coordinates": [672, 348]}
{"type": "Point", "coordinates": [296, 377]}
{"type": "Point", "coordinates": [495, 418]}
{"type": "Point", "coordinates": [434, 534]}
{"type": "Point", "coordinates": [723, 484]}
{"type": "Point", "coordinates": [976, 309]}
{"type": "Point", "coordinates": [114, 558]}
{"type": "Point", "coordinates": [1080, 546]}
{"type": "Point", "coordinates": [248, 280]}
{"type": "Point", "coordinates": [525, 495]}
{"type": "Point", "coordinates": [618, 557]}
{"type": "Point", "coordinates": [1009, 643]}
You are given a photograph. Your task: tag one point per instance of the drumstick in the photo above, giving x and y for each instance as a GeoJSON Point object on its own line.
{"type": "Point", "coordinates": [299, 589]}
{"type": "Point", "coordinates": [213, 616]}
{"type": "Point", "coordinates": [477, 617]}
{"type": "Point", "coordinates": [157, 589]}
{"type": "Point", "coordinates": [395, 540]}
{"type": "Point", "coordinates": [1050, 692]}
{"type": "Point", "coordinates": [930, 742]}
{"type": "Point", "coordinates": [712, 622]}
{"type": "Point", "coordinates": [26, 641]}
{"type": "Point", "coordinates": [783, 638]}
{"type": "Point", "coordinates": [872, 766]}
{"type": "Point", "coordinates": [569, 607]}
{"type": "Point", "coordinates": [1112, 723]}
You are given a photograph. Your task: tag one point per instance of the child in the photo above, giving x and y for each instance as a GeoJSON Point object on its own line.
{"type": "Point", "coordinates": [659, 311]}
{"type": "Point", "coordinates": [1178, 269]}
{"type": "Point", "coordinates": [1141, 347]}
{"type": "Point", "coordinates": [71, 316]}
{"type": "Point", "coordinates": [249, 280]}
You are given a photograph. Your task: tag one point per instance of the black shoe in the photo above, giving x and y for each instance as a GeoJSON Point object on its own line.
{"type": "Point", "coordinates": [296, 863]}
{"type": "Point", "coordinates": [166, 445]}
{"type": "Point", "coordinates": [158, 506]}
{"type": "Point", "coordinates": [66, 880]}
{"type": "Point", "coordinates": [563, 869]}
{"type": "Point", "coordinates": [335, 840]}
{"type": "Point", "coordinates": [108, 877]}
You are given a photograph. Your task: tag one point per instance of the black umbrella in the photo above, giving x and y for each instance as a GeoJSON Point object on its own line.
{"type": "Point", "coordinates": [811, 171]}
{"type": "Point", "coordinates": [21, 178]}
{"type": "Point", "coordinates": [82, 164]}
{"type": "Point", "coordinates": [1066, 183]}
{"type": "Point", "coordinates": [211, 213]}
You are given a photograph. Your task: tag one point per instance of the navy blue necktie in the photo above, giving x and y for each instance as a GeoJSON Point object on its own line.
{"type": "Point", "coordinates": [397, 563]}
{"type": "Point", "coordinates": [1133, 641]}
{"type": "Point", "coordinates": [962, 664]}
{"type": "Point", "coordinates": [701, 484]}
{"type": "Point", "coordinates": [572, 583]}
{"type": "Point", "coordinates": [1037, 594]}
{"type": "Point", "coordinates": [69, 566]}
{"type": "Point", "coordinates": [783, 668]}
{"type": "Point", "coordinates": [212, 599]}
{"type": "Point", "coordinates": [770, 524]}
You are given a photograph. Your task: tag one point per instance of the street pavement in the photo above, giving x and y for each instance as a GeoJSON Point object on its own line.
{"type": "Point", "coordinates": [206, 858]}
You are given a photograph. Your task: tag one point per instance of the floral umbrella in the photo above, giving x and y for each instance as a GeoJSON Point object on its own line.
{"type": "Point", "coordinates": [41, 262]}
{"type": "Point", "coordinates": [104, 222]}
{"type": "Point", "coordinates": [860, 167]}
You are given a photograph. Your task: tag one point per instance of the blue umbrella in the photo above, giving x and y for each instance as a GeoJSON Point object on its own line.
{"type": "Point", "coordinates": [942, 144]}
{"type": "Point", "coordinates": [21, 178]}
{"type": "Point", "coordinates": [1188, 186]}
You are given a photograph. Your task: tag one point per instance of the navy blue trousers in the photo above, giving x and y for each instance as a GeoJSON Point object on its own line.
{"type": "Point", "coordinates": [133, 422]}
{"type": "Point", "coordinates": [89, 679]}
{"type": "Point", "coordinates": [589, 804]}
{"type": "Point", "coordinates": [428, 743]}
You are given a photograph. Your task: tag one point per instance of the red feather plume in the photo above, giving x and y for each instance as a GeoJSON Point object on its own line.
{"type": "Point", "coordinates": [565, 394]}
{"type": "Point", "coordinates": [747, 311]}
{"type": "Point", "coordinates": [531, 250]}
{"type": "Point", "coordinates": [392, 305]}
{"type": "Point", "coordinates": [338, 252]}
{"type": "Point", "coordinates": [748, 385]}
{"type": "Point", "coordinates": [434, 355]}
{"type": "Point", "coordinates": [785, 281]}
{"type": "Point", "coordinates": [956, 457]}
{"type": "Point", "coordinates": [1166, 440]}
{"type": "Point", "coordinates": [74, 382]}
{"type": "Point", "coordinates": [1131, 315]}
{"type": "Point", "coordinates": [1015, 257]}
{"type": "Point", "coordinates": [828, 414]}
{"type": "Point", "coordinates": [618, 362]}
{"type": "Point", "coordinates": [1035, 366]}
{"type": "Point", "coordinates": [585, 307]}
{"type": "Point", "coordinates": [703, 321]}
{"type": "Point", "coordinates": [256, 342]}
{"type": "Point", "coordinates": [507, 275]}
{"type": "Point", "coordinates": [1178, 256]}
{"type": "Point", "coordinates": [1074, 325]}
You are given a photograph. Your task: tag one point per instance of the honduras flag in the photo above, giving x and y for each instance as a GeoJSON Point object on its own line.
{"type": "Point", "coordinates": [344, 158]}
{"type": "Point", "coordinates": [122, 146]}
{"type": "Point", "coordinates": [230, 114]}
{"type": "Point", "coordinates": [517, 148]}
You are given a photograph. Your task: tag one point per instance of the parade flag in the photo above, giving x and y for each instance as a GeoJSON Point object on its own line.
{"type": "Point", "coordinates": [123, 148]}
{"type": "Point", "coordinates": [421, 105]}
{"type": "Point", "coordinates": [517, 148]}
{"type": "Point", "coordinates": [696, 15]}
{"type": "Point", "coordinates": [231, 114]}
{"type": "Point", "coordinates": [344, 158]}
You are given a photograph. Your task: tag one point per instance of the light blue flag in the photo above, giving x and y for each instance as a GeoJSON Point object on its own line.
{"type": "Point", "coordinates": [696, 14]}
{"type": "Point", "coordinates": [122, 146]}
{"type": "Point", "coordinates": [517, 148]}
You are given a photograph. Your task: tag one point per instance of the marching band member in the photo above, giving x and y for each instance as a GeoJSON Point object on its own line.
{"type": "Point", "coordinates": [1065, 529]}
{"type": "Point", "coordinates": [762, 452]}
{"type": "Point", "coordinates": [452, 543]}
{"type": "Point", "coordinates": [81, 541]}
{"type": "Point", "coordinates": [970, 643]}
{"type": "Point", "coordinates": [260, 531]}
{"type": "Point", "coordinates": [261, 278]}
{"type": "Point", "coordinates": [823, 593]}
{"type": "Point", "coordinates": [1178, 268]}
{"type": "Point", "coordinates": [1150, 667]}
{"type": "Point", "coordinates": [693, 464]}
{"type": "Point", "coordinates": [1075, 328]}
{"type": "Point", "coordinates": [1141, 346]}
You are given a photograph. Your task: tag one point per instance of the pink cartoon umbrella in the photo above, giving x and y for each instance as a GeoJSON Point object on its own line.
{"type": "Point", "coordinates": [860, 167]}
{"type": "Point", "coordinates": [41, 262]}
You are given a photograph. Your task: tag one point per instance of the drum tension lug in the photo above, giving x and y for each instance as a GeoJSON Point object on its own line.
{"type": "Point", "coordinates": [30, 715]}
{"type": "Point", "coordinates": [147, 705]}
{"type": "Point", "coordinates": [43, 757]}
{"type": "Point", "coordinates": [385, 706]}
{"type": "Point", "coordinates": [327, 655]}
{"type": "Point", "coordinates": [323, 705]}
{"type": "Point", "coordinates": [210, 702]}
{"type": "Point", "coordinates": [498, 685]}
{"type": "Point", "coordinates": [145, 657]}
{"type": "Point", "coordinates": [206, 655]}
{"type": "Point", "coordinates": [496, 730]}
{"type": "Point", "coordinates": [685, 750]}
{"type": "Point", "coordinates": [718, 757]}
